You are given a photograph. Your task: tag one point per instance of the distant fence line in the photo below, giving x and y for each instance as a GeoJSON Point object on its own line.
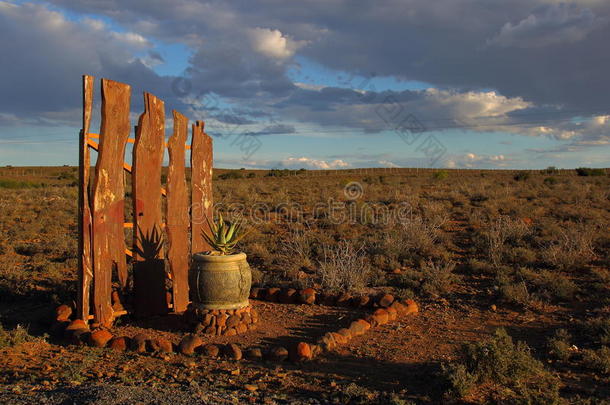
{"type": "Point", "coordinates": [39, 172]}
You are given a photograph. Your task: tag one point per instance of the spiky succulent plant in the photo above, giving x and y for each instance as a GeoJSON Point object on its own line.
{"type": "Point", "coordinates": [223, 235]}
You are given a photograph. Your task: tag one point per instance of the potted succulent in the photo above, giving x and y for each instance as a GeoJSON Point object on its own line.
{"type": "Point", "coordinates": [221, 278]}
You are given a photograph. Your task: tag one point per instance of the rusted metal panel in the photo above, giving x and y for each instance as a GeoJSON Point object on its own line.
{"type": "Point", "coordinates": [149, 272]}
{"type": "Point", "coordinates": [177, 218]}
{"type": "Point", "coordinates": [201, 181]}
{"type": "Point", "coordinates": [85, 269]}
{"type": "Point", "coordinates": [108, 238]}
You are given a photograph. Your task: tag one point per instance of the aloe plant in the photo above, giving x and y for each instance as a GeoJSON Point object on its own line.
{"type": "Point", "coordinates": [224, 236]}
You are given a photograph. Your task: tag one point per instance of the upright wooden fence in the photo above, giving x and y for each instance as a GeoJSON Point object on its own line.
{"type": "Point", "coordinates": [160, 237]}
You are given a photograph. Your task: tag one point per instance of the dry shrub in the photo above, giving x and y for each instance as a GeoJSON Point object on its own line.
{"type": "Point", "coordinates": [432, 279]}
{"type": "Point", "coordinates": [344, 267]}
{"type": "Point", "coordinates": [559, 345]}
{"type": "Point", "coordinates": [573, 247]}
{"type": "Point", "coordinates": [509, 369]}
{"type": "Point", "coordinates": [9, 338]}
{"type": "Point", "coordinates": [500, 233]}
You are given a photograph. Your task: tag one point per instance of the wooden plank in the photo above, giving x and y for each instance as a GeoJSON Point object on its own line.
{"type": "Point", "coordinates": [201, 181]}
{"type": "Point", "coordinates": [148, 266]}
{"type": "Point", "coordinates": [126, 166]}
{"type": "Point", "coordinates": [109, 198]}
{"type": "Point", "coordinates": [146, 172]}
{"type": "Point", "coordinates": [177, 218]}
{"type": "Point", "coordinates": [85, 267]}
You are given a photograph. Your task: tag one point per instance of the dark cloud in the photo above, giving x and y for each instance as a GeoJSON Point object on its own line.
{"type": "Point", "coordinates": [488, 61]}
{"type": "Point", "coordinates": [277, 129]}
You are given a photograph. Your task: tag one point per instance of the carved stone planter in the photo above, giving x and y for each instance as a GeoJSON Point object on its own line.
{"type": "Point", "coordinates": [220, 282]}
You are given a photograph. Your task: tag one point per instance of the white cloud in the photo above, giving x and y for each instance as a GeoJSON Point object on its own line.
{"type": "Point", "coordinates": [473, 160]}
{"type": "Point", "coordinates": [273, 43]}
{"type": "Point", "coordinates": [309, 163]}
{"type": "Point", "coordinates": [475, 104]}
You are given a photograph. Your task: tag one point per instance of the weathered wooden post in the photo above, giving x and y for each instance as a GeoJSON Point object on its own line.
{"type": "Point", "coordinates": [108, 238]}
{"type": "Point", "coordinates": [201, 181]}
{"type": "Point", "coordinates": [148, 264]}
{"type": "Point", "coordinates": [85, 269]}
{"type": "Point", "coordinates": [177, 215]}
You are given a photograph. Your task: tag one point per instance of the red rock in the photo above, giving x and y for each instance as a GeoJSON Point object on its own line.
{"type": "Point", "coordinates": [371, 320]}
{"type": "Point", "coordinates": [343, 300]}
{"type": "Point", "coordinates": [356, 328]}
{"type": "Point", "coordinates": [209, 320]}
{"type": "Point", "coordinates": [77, 324]}
{"type": "Point", "coordinates": [233, 321]}
{"type": "Point", "coordinates": [381, 316]}
{"type": "Point", "coordinates": [315, 350]}
{"type": "Point", "coordinates": [233, 351]}
{"type": "Point", "coordinates": [161, 345]}
{"type": "Point", "coordinates": [392, 314]}
{"type": "Point", "coordinates": [307, 296]}
{"type": "Point", "coordinates": [254, 315]}
{"type": "Point", "coordinates": [246, 318]}
{"type": "Point", "coordinates": [278, 353]}
{"type": "Point", "coordinates": [345, 333]}
{"type": "Point", "coordinates": [138, 343]}
{"type": "Point", "coordinates": [189, 343]}
{"type": "Point", "coordinates": [527, 221]}
{"type": "Point", "coordinates": [339, 338]}
{"type": "Point", "coordinates": [412, 307]}
{"type": "Point", "coordinates": [272, 294]}
{"type": "Point", "coordinates": [211, 350]}
{"type": "Point", "coordinates": [119, 343]}
{"type": "Point", "coordinates": [301, 352]}
{"type": "Point", "coordinates": [385, 300]}
{"type": "Point", "coordinates": [327, 342]}
{"type": "Point", "coordinates": [396, 271]}
{"type": "Point", "coordinates": [241, 328]}
{"type": "Point", "coordinates": [210, 330]}
{"type": "Point", "coordinates": [99, 338]}
{"type": "Point", "coordinates": [287, 296]}
{"type": "Point", "coordinates": [62, 313]}
{"type": "Point", "coordinates": [254, 354]}
{"type": "Point", "coordinates": [230, 332]}
{"type": "Point", "coordinates": [399, 308]}
{"type": "Point", "coordinates": [221, 320]}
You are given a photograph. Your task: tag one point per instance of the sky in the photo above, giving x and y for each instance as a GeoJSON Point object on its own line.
{"type": "Point", "coordinates": [321, 84]}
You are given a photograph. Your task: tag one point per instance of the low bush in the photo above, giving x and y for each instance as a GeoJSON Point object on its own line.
{"type": "Point", "coordinates": [598, 360]}
{"type": "Point", "coordinates": [511, 371]}
{"type": "Point", "coordinates": [440, 175]}
{"type": "Point", "coordinates": [587, 171]}
{"type": "Point", "coordinates": [559, 345]}
{"type": "Point", "coordinates": [9, 338]}
{"type": "Point", "coordinates": [550, 181]}
{"type": "Point", "coordinates": [432, 279]}
{"type": "Point", "coordinates": [344, 267]}
{"type": "Point", "coordinates": [14, 184]}
{"type": "Point", "coordinates": [231, 175]}
{"type": "Point", "coordinates": [521, 176]}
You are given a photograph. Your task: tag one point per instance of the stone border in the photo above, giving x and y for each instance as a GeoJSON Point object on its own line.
{"type": "Point", "coordinates": [221, 322]}
{"type": "Point", "coordinates": [385, 308]}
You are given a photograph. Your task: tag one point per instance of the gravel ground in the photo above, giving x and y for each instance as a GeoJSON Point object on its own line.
{"type": "Point", "coordinates": [108, 394]}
